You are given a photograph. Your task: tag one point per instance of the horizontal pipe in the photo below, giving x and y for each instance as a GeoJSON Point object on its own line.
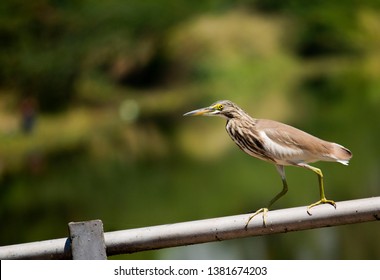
{"type": "Point", "coordinates": [208, 230]}
{"type": "Point", "coordinates": [224, 228]}
{"type": "Point", "coordinates": [54, 249]}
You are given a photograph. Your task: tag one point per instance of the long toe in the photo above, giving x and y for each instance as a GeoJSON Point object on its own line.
{"type": "Point", "coordinates": [261, 210]}
{"type": "Point", "coordinates": [322, 201]}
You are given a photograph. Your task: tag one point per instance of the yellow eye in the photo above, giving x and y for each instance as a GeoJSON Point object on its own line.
{"type": "Point", "coordinates": [219, 107]}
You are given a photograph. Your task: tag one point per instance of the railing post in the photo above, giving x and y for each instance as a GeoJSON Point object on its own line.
{"type": "Point", "coordinates": [87, 240]}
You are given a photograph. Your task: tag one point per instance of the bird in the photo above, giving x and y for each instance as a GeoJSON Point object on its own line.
{"type": "Point", "coordinates": [277, 143]}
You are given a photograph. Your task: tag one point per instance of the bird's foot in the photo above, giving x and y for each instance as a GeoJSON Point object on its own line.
{"type": "Point", "coordinates": [322, 201]}
{"type": "Point", "coordinates": [261, 210]}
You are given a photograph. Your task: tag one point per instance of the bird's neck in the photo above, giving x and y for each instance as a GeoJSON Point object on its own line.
{"type": "Point", "coordinates": [237, 115]}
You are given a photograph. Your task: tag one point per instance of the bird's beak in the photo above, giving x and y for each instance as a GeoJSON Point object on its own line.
{"type": "Point", "coordinates": [207, 111]}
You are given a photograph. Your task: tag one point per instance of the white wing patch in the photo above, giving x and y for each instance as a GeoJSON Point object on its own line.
{"type": "Point", "coordinates": [282, 154]}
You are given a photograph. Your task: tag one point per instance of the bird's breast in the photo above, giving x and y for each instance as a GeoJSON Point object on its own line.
{"type": "Point", "coordinates": [248, 140]}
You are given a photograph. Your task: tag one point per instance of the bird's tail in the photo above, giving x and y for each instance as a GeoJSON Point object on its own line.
{"type": "Point", "coordinates": [341, 154]}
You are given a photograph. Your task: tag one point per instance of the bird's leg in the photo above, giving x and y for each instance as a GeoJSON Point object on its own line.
{"type": "Point", "coordinates": [323, 199]}
{"type": "Point", "coordinates": [281, 170]}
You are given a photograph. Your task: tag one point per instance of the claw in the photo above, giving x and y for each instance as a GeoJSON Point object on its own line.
{"type": "Point", "coordinates": [261, 210]}
{"type": "Point", "coordinates": [322, 201]}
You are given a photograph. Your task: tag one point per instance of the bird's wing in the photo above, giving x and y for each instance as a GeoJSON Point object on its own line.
{"type": "Point", "coordinates": [289, 143]}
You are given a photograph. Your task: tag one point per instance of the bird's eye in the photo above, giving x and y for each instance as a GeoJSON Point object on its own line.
{"type": "Point", "coordinates": [219, 107]}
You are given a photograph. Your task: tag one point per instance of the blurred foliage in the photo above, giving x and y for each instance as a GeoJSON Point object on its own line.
{"type": "Point", "coordinates": [91, 101]}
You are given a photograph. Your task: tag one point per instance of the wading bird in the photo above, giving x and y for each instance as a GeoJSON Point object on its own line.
{"type": "Point", "coordinates": [276, 143]}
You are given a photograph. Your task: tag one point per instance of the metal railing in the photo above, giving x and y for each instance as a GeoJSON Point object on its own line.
{"type": "Point", "coordinates": [88, 241]}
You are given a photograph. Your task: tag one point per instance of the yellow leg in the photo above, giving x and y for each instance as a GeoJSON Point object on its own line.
{"type": "Point", "coordinates": [323, 199]}
{"type": "Point", "coordinates": [280, 170]}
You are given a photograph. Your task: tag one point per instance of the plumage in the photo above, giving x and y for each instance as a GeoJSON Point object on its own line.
{"type": "Point", "coordinates": [278, 143]}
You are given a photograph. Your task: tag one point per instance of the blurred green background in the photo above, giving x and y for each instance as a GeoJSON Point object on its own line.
{"type": "Point", "coordinates": [91, 101]}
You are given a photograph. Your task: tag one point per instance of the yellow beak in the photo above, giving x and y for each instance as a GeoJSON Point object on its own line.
{"type": "Point", "coordinates": [207, 111]}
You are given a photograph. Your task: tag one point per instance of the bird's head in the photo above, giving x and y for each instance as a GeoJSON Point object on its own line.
{"type": "Point", "coordinates": [224, 108]}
